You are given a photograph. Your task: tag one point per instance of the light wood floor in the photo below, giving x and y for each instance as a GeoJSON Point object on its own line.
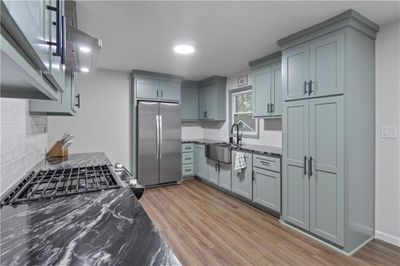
{"type": "Point", "coordinates": [204, 226]}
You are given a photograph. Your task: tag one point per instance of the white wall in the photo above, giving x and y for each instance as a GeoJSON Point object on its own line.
{"type": "Point", "coordinates": [387, 190]}
{"type": "Point", "coordinates": [103, 122]}
{"type": "Point", "coordinates": [270, 129]}
{"type": "Point", "coordinates": [192, 130]}
{"type": "Point", "coordinates": [23, 141]}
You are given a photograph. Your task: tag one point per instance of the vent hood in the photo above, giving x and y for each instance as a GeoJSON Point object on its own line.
{"type": "Point", "coordinates": [82, 50]}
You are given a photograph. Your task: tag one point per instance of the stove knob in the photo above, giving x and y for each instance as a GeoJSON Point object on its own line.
{"type": "Point", "coordinates": [118, 166]}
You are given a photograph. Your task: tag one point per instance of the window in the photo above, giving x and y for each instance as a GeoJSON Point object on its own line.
{"type": "Point", "coordinates": [241, 107]}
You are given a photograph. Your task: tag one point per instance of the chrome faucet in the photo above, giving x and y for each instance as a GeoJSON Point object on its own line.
{"type": "Point", "coordinates": [238, 137]}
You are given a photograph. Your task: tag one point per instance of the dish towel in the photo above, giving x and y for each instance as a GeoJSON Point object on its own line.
{"type": "Point", "coordinates": [240, 162]}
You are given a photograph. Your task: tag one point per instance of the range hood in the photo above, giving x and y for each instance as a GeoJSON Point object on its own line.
{"type": "Point", "coordinates": [82, 50]}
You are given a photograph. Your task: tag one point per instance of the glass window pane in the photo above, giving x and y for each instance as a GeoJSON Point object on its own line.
{"type": "Point", "coordinates": [244, 102]}
{"type": "Point", "coordinates": [246, 122]}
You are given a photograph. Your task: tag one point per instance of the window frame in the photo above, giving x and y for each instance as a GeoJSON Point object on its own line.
{"type": "Point", "coordinates": [231, 99]}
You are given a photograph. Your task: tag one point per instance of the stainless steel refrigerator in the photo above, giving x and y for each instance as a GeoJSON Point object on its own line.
{"type": "Point", "coordinates": [159, 143]}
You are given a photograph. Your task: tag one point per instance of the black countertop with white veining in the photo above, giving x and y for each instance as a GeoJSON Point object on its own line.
{"type": "Point", "coordinates": [261, 149]}
{"type": "Point", "coordinates": [98, 228]}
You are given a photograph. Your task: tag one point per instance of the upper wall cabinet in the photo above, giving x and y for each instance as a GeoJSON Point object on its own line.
{"type": "Point", "coordinates": [190, 100]}
{"type": "Point", "coordinates": [155, 86]}
{"type": "Point", "coordinates": [267, 86]}
{"type": "Point", "coordinates": [212, 98]}
{"type": "Point", "coordinates": [33, 48]}
{"type": "Point", "coordinates": [315, 68]}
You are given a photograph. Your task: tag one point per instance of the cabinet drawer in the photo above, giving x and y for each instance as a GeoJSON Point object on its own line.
{"type": "Point", "coordinates": [187, 147]}
{"type": "Point", "coordinates": [187, 157]}
{"type": "Point", "coordinates": [266, 162]}
{"type": "Point", "coordinates": [187, 170]}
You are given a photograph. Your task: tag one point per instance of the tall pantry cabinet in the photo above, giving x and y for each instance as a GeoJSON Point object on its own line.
{"type": "Point", "coordinates": [328, 129]}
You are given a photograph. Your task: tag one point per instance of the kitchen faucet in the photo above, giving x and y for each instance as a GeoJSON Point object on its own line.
{"type": "Point", "coordinates": [238, 138]}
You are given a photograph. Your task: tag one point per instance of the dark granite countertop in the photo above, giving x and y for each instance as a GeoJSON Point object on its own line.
{"type": "Point", "coordinates": [267, 150]}
{"type": "Point", "coordinates": [99, 228]}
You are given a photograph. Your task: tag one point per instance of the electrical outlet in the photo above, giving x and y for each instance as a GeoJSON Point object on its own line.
{"type": "Point", "coordinates": [389, 132]}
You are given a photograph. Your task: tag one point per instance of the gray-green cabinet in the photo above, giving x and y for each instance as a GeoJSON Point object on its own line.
{"type": "Point", "coordinates": [68, 103]}
{"type": "Point", "coordinates": [188, 158]}
{"type": "Point", "coordinates": [225, 177]}
{"type": "Point", "coordinates": [156, 86]}
{"type": "Point", "coordinates": [329, 130]}
{"type": "Point", "coordinates": [242, 180]}
{"type": "Point", "coordinates": [315, 68]}
{"type": "Point", "coordinates": [190, 101]}
{"type": "Point", "coordinates": [267, 188]}
{"type": "Point", "coordinates": [212, 98]}
{"type": "Point", "coordinates": [213, 175]}
{"type": "Point", "coordinates": [200, 165]}
{"type": "Point", "coordinates": [267, 86]}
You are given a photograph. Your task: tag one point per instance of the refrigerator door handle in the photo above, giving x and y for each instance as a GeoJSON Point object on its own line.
{"type": "Point", "coordinates": [160, 136]}
{"type": "Point", "coordinates": [157, 136]}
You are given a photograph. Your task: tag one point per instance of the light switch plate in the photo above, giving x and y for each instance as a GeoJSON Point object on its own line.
{"type": "Point", "coordinates": [389, 132]}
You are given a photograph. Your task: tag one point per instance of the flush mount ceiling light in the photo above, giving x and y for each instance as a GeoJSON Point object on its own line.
{"type": "Point", "coordinates": [84, 69]}
{"type": "Point", "coordinates": [84, 49]}
{"type": "Point", "coordinates": [184, 49]}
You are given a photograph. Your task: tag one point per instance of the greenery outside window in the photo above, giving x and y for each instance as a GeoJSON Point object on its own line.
{"type": "Point", "coordinates": [241, 112]}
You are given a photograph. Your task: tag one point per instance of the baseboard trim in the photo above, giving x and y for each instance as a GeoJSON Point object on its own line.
{"type": "Point", "coordinates": [327, 244]}
{"type": "Point", "coordinates": [387, 238]}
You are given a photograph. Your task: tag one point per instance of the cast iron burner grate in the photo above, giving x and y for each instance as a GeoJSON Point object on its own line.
{"type": "Point", "coordinates": [61, 182]}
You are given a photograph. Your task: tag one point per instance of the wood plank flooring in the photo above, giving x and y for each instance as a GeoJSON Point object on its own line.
{"type": "Point", "coordinates": [204, 226]}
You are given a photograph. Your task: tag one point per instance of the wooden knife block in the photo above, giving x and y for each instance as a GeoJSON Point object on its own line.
{"type": "Point", "coordinates": [57, 150]}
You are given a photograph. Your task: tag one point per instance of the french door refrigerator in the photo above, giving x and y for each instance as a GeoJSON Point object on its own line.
{"type": "Point", "coordinates": [159, 143]}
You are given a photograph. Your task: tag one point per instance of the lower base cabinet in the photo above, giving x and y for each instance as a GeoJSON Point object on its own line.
{"type": "Point", "coordinates": [225, 178]}
{"type": "Point", "coordinates": [267, 189]}
{"type": "Point", "coordinates": [213, 171]}
{"type": "Point", "coordinates": [242, 181]}
{"type": "Point", "coordinates": [200, 162]}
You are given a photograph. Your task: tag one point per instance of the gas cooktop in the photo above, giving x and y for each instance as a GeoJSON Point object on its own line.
{"type": "Point", "coordinates": [52, 183]}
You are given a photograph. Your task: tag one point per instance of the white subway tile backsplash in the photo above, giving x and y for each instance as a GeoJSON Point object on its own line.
{"type": "Point", "coordinates": [23, 140]}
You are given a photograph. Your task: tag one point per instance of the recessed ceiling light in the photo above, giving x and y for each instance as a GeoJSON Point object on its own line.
{"type": "Point", "coordinates": [184, 49]}
{"type": "Point", "coordinates": [84, 49]}
{"type": "Point", "coordinates": [84, 69]}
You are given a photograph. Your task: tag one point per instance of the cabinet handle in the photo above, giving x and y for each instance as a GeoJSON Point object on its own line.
{"type": "Point", "coordinates": [310, 84]}
{"type": "Point", "coordinates": [268, 108]}
{"type": "Point", "coordinates": [58, 44]}
{"type": "Point", "coordinates": [310, 173]}
{"type": "Point", "coordinates": [272, 107]}
{"type": "Point", "coordinates": [305, 87]}
{"type": "Point", "coordinates": [305, 165]}
{"type": "Point", "coordinates": [205, 114]}
{"type": "Point", "coordinates": [78, 97]}
{"type": "Point", "coordinates": [161, 93]}
{"type": "Point", "coordinates": [219, 167]}
{"type": "Point", "coordinates": [216, 167]}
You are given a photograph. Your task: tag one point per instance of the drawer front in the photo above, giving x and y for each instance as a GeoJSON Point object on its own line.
{"type": "Point", "coordinates": [187, 147]}
{"type": "Point", "coordinates": [188, 170]}
{"type": "Point", "coordinates": [187, 158]}
{"type": "Point", "coordinates": [267, 162]}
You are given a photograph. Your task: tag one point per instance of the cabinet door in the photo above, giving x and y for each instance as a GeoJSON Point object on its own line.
{"type": "Point", "coordinates": [200, 162]}
{"type": "Point", "coordinates": [170, 91]}
{"type": "Point", "coordinates": [212, 102]}
{"type": "Point", "coordinates": [326, 181]}
{"type": "Point", "coordinates": [295, 183]}
{"type": "Point", "coordinates": [276, 90]}
{"type": "Point", "coordinates": [295, 72]}
{"type": "Point", "coordinates": [212, 171]}
{"type": "Point", "coordinates": [267, 188]}
{"type": "Point", "coordinates": [147, 89]}
{"type": "Point", "coordinates": [327, 65]}
{"type": "Point", "coordinates": [261, 92]}
{"type": "Point", "coordinates": [225, 178]}
{"type": "Point", "coordinates": [242, 181]}
{"type": "Point", "coordinates": [190, 103]}
{"type": "Point", "coordinates": [203, 103]}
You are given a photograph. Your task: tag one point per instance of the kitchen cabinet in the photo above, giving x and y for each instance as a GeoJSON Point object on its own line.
{"type": "Point", "coordinates": [190, 101]}
{"type": "Point", "coordinates": [188, 159]}
{"type": "Point", "coordinates": [315, 68]}
{"type": "Point", "coordinates": [225, 177]}
{"type": "Point", "coordinates": [213, 175]}
{"type": "Point", "coordinates": [68, 103]}
{"type": "Point", "coordinates": [156, 87]}
{"type": "Point", "coordinates": [26, 24]}
{"type": "Point", "coordinates": [200, 167]}
{"type": "Point", "coordinates": [212, 99]}
{"type": "Point", "coordinates": [328, 142]}
{"type": "Point", "coordinates": [242, 181]}
{"type": "Point", "coordinates": [266, 188]}
{"type": "Point", "coordinates": [267, 86]}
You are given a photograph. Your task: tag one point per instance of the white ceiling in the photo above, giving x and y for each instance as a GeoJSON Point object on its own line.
{"type": "Point", "coordinates": [227, 35]}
